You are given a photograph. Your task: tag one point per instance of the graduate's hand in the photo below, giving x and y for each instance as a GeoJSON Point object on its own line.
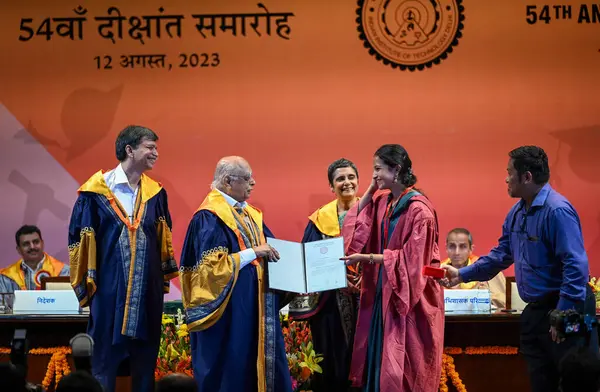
{"type": "Point", "coordinates": [372, 188]}
{"type": "Point", "coordinates": [355, 258]}
{"type": "Point", "coordinates": [452, 277]}
{"type": "Point", "coordinates": [267, 252]}
{"type": "Point", "coordinates": [368, 196]}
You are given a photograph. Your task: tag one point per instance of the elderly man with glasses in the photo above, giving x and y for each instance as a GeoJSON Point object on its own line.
{"type": "Point", "coordinates": [236, 339]}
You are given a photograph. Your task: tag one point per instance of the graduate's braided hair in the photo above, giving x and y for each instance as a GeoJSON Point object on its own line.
{"type": "Point", "coordinates": [395, 155]}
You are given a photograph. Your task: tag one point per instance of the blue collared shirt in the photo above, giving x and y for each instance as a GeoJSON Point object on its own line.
{"type": "Point", "coordinates": [546, 245]}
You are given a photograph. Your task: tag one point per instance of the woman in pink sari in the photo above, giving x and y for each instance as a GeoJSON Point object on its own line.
{"type": "Point", "coordinates": [394, 234]}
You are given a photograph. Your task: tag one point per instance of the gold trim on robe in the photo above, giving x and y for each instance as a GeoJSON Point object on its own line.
{"type": "Point", "coordinates": [82, 256]}
{"type": "Point", "coordinates": [326, 219]}
{"type": "Point", "coordinates": [165, 237]}
{"type": "Point", "coordinates": [207, 282]}
{"type": "Point", "coordinates": [96, 184]}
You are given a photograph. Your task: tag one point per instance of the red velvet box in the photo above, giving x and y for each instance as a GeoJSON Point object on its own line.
{"type": "Point", "coordinates": [434, 272]}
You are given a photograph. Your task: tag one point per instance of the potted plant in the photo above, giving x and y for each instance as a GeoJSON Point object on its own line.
{"type": "Point", "coordinates": [174, 351]}
{"type": "Point", "coordinates": [303, 361]}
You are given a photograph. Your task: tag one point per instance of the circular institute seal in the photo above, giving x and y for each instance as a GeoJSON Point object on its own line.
{"type": "Point", "coordinates": [410, 34]}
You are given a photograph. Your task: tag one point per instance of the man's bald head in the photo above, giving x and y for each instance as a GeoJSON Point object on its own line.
{"type": "Point", "coordinates": [233, 176]}
{"type": "Point", "coordinates": [233, 161]}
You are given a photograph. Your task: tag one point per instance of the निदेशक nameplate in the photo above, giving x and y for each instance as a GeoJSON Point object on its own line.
{"type": "Point", "coordinates": [467, 300]}
{"type": "Point", "coordinates": [45, 302]}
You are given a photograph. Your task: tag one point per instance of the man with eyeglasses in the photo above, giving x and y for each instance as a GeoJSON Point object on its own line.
{"type": "Point", "coordinates": [236, 338]}
{"type": "Point", "coordinates": [542, 237]}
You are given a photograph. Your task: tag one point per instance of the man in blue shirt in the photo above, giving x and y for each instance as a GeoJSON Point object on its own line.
{"type": "Point", "coordinates": [542, 237]}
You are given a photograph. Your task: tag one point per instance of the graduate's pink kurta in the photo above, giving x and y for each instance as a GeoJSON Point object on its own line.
{"type": "Point", "coordinates": [413, 305]}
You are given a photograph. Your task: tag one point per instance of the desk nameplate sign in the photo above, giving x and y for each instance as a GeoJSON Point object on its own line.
{"type": "Point", "coordinates": [45, 302]}
{"type": "Point", "coordinates": [467, 300]}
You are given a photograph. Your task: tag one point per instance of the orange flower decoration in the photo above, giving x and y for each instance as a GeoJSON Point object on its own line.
{"type": "Point", "coordinates": [453, 350]}
{"type": "Point", "coordinates": [448, 363]}
{"type": "Point", "coordinates": [449, 370]}
{"type": "Point", "coordinates": [58, 366]}
{"type": "Point", "coordinates": [443, 379]}
{"type": "Point", "coordinates": [492, 350]}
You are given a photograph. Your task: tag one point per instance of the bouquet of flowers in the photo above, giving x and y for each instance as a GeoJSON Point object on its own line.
{"type": "Point", "coordinates": [174, 352]}
{"type": "Point", "coordinates": [302, 359]}
{"type": "Point", "coordinates": [595, 285]}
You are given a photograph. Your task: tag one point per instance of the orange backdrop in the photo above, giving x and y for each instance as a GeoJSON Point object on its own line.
{"type": "Point", "coordinates": [293, 106]}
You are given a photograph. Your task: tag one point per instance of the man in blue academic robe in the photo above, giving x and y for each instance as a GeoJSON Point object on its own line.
{"type": "Point", "coordinates": [236, 339]}
{"type": "Point", "coordinates": [121, 256]}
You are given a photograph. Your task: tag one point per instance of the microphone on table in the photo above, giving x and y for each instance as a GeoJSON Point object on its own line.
{"type": "Point", "coordinates": [18, 351]}
{"type": "Point", "coordinates": [19, 348]}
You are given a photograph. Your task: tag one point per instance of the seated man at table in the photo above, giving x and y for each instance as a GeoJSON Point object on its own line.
{"type": "Point", "coordinates": [26, 273]}
{"type": "Point", "coordinates": [459, 246]}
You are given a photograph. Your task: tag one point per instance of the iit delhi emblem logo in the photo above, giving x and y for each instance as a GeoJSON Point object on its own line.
{"type": "Point", "coordinates": [410, 34]}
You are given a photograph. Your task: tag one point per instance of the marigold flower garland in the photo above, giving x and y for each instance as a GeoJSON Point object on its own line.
{"type": "Point", "coordinates": [453, 350]}
{"type": "Point", "coordinates": [58, 366]}
{"type": "Point", "coordinates": [449, 370]}
{"type": "Point", "coordinates": [443, 378]}
{"type": "Point", "coordinates": [492, 350]}
{"type": "Point", "coordinates": [448, 364]}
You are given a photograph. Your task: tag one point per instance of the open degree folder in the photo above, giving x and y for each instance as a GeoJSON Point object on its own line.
{"type": "Point", "coordinates": [308, 268]}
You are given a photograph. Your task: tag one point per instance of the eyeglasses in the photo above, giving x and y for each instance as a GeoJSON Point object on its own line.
{"type": "Point", "coordinates": [246, 178]}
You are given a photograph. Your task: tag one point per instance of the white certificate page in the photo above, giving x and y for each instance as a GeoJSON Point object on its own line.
{"type": "Point", "coordinates": [324, 269]}
{"type": "Point", "coordinates": [287, 274]}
